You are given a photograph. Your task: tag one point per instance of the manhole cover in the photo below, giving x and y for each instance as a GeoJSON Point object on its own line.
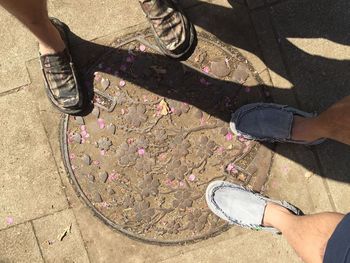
{"type": "Point", "coordinates": [159, 134]}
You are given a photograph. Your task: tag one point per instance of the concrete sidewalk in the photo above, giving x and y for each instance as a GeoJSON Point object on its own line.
{"type": "Point", "coordinates": [302, 52]}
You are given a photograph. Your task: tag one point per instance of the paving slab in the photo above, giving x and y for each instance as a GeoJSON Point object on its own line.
{"type": "Point", "coordinates": [334, 160]}
{"type": "Point", "coordinates": [281, 89]}
{"type": "Point", "coordinates": [15, 49]}
{"type": "Point", "coordinates": [18, 244]}
{"type": "Point", "coordinates": [317, 54]}
{"type": "Point", "coordinates": [294, 177]}
{"type": "Point", "coordinates": [30, 184]}
{"type": "Point", "coordinates": [252, 247]}
{"type": "Point", "coordinates": [59, 238]}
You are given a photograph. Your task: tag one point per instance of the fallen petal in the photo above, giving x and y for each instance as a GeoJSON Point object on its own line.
{"type": "Point", "coordinates": [191, 177]}
{"type": "Point", "coordinates": [141, 151]}
{"type": "Point", "coordinates": [101, 123]}
{"type": "Point", "coordinates": [142, 48]}
{"type": "Point", "coordinates": [122, 83]}
{"type": "Point", "coordinates": [206, 69]}
{"type": "Point", "coordinates": [9, 220]}
{"type": "Point", "coordinates": [229, 136]}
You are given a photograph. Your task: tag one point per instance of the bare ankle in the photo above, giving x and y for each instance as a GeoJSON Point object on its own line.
{"type": "Point", "coordinates": [51, 41]}
{"type": "Point", "coordinates": [276, 215]}
{"type": "Point", "coordinates": [305, 129]}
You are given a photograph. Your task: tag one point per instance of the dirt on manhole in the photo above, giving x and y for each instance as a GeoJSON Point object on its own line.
{"type": "Point", "coordinates": [159, 134]}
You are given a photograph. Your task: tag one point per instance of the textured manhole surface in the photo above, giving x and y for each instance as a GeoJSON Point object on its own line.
{"type": "Point", "coordinates": [159, 134]}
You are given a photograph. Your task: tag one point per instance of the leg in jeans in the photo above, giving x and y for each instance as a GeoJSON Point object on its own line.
{"type": "Point", "coordinates": [334, 123]}
{"type": "Point", "coordinates": [308, 235]}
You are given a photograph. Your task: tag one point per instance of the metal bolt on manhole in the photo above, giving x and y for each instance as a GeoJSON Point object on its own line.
{"type": "Point", "coordinates": [159, 134]}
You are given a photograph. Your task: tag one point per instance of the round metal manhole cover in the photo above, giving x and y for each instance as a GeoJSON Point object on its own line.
{"type": "Point", "coordinates": [159, 134]}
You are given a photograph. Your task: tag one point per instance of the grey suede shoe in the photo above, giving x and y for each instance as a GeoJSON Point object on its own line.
{"type": "Point", "coordinates": [268, 122]}
{"type": "Point", "coordinates": [240, 206]}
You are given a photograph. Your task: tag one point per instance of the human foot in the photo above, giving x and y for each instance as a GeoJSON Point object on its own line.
{"type": "Point", "coordinates": [53, 43]}
{"type": "Point", "coordinates": [243, 207]}
{"type": "Point", "coordinates": [274, 215]}
{"type": "Point", "coordinates": [173, 32]}
{"type": "Point", "coordinates": [275, 123]}
{"type": "Point", "coordinates": [61, 83]}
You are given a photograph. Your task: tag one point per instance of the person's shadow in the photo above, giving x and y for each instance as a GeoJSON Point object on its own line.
{"type": "Point", "coordinates": [313, 74]}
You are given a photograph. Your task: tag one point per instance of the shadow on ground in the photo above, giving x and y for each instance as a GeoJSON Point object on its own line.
{"type": "Point", "coordinates": [318, 81]}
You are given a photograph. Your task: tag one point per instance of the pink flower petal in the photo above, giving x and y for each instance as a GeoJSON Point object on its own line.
{"type": "Point", "coordinates": [9, 220]}
{"type": "Point", "coordinates": [101, 123]}
{"type": "Point", "coordinates": [113, 176]}
{"type": "Point", "coordinates": [102, 152]}
{"type": "Point", "coordinates": [206, 69]}
{"type": "Point", "coordinates": [83, 128]}
{"type": "Point", "coordinates": [141, 151]}
{"type": "Point", "coordinates": [181, 184]}
{"type": "Point", "coordinates": [83, 134]}
{"type": "Point", "coordinates": [72, 156]}
{"type": "Point", "coordinates": [122, 83]}
{"type": "Point", "coordinates": [96, 162]}
{"type": "Point", "coordinates": [231, 168]}
{"type": "Point", "coordinates": [229, 136]}
{"type": "Point", "coordinates": [142, 48]}
{"type": "Point", "coordinates": [191, 177]}
{"type": "Point", "coordinates": [130, 140]}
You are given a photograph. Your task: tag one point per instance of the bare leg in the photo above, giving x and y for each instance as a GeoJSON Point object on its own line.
{"type": "Point", "coordinates": [334, 123]}
{"type": "Point", "coordinates": [33, 14]}
{"type": "Point", "coordinates": [308, 235]}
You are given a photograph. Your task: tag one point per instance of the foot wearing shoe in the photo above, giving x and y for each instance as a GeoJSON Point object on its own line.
{"type": "Point", "coordinates": [61, 82]}
{"type": "Point", "coordinates": [173, 32]}
{"type": "Point", "coordinates": [276, 123]}
{"type": "Point", "coordinates": [245, 208]}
